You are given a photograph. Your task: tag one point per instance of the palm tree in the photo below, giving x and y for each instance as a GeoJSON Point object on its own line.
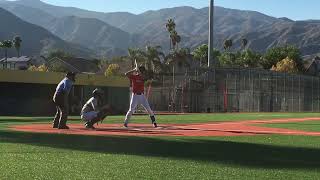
{"type": "Point", "coordinates": [153, 55]}
{"type": "Point", "coordinates": [177, 39]}
{"type": "Point", "coordinates": [228, 44]}
{"type": "Point", "coordinates": [171, 26]}
{"type": "Point", "coordinates": [244, 43]}
{"type": "Point", "coordinates": [180, 57]}
{"type": "Point", "coordinates": [17, 44]}
{"type": "Point", "coordinates": [7, 44]}
{"type": "Point", "coordinates": [134, 54]}
{"type": "Point", "coordinates": [153, 62]}
{"type": "Point", "coordinates": [201, 54]}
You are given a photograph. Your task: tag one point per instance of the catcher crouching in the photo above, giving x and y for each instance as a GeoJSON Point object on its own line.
{"type": "Point", "coordinates": [94, 111]}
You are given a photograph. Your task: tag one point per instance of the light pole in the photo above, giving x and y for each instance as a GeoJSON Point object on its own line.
{"type": "Point", "coordinates": [210, 40]}
{"type": "Point", "coordinates": [211, 62]}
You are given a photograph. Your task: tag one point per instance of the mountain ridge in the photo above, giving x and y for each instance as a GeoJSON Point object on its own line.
{"type": "Point", "coordinates": [36, 40]}
{"type": "Point", "coordinates": [148, 28]}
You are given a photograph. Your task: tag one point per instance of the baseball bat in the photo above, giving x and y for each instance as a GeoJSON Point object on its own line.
{"type": "Point", "coordinates": [136, 64]}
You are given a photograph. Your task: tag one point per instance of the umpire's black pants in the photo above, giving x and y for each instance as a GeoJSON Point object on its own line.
{"type": "Point", "coordinates": [61, 117]}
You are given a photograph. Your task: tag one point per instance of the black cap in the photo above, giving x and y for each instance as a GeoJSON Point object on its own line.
{"type": "Point", "coordinates": [70, 74]}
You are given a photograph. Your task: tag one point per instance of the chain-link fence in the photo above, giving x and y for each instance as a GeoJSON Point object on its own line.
{"type": "Point", "coordinates": [236, 90]}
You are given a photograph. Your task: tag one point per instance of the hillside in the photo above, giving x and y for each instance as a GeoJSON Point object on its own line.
{"type": "Point", "coordinates": [261, 30]}
{"type": "Point", "coordinates": [91, 33]}
{"type": "Point", "coordinates": [36, 40]}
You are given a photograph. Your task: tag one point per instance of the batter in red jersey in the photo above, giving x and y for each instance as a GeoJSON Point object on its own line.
{"type": "Point", "coordinates": [137, 78]}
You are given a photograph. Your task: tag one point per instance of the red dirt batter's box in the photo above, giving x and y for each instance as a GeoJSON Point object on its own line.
{"type": "Point", "coordinates": [242, 128]}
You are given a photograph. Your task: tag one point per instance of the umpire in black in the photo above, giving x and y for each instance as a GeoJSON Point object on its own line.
{"type": "Point", "coordinates": [61, 100]}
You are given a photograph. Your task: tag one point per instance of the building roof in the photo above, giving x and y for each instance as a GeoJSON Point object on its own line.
{"type": "Point", "coordinates": [309, 62]}
{"type": "Point", "coordinates": [53, 78]}
{"type": "Point", "coordinates": [17, 59]}
{"type": "Point", "coordinates": [77, 64]}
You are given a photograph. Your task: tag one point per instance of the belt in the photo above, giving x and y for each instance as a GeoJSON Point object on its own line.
{"type": "Point", "coordinates": [137, 93]}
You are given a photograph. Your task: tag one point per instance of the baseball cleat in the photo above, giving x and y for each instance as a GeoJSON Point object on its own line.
{"type": "Point", "coordinates": [155, 125]}
{"type": "Point", "coordinates": [125, 125]}
{"type": "Point", "coordinates": [90, 127]}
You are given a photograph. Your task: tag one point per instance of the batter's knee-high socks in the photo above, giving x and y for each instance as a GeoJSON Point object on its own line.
{"type": "Point", "coordinates": [153, 120]}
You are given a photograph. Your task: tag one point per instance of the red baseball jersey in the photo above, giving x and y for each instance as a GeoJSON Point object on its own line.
{"type": "Point", "coordinates": [137, 83]}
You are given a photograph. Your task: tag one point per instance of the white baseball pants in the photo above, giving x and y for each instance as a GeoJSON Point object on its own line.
{"type": "Point", "coordinates": [135, 101]}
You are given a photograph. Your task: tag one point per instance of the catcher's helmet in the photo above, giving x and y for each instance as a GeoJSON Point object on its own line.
{"type": "Point", "coordinates": [97, 92]}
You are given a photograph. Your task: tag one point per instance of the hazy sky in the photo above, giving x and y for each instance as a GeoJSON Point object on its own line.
{"type": "Point", "coordinates": [294, 9]}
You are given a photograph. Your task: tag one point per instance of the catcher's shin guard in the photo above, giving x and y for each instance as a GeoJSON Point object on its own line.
{"type": "Point", "coordinates": [102, 115]}
{"type": "Point", "coordinates": [90, 124]}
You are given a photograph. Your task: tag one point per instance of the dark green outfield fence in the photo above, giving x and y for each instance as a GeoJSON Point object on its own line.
{"type": "Point", "coordinates": [20, 99]}
{"type": "Point", "coordinates": [24, 93]}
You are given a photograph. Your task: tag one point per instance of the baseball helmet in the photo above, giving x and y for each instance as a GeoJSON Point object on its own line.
{"type": "Point", "coordinates": [97, 92]}
{"type": "Point", "coordinates": [71, 75]}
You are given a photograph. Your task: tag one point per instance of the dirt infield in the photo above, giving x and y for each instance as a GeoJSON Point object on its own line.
{"type": "Point", "coordinates": [242, 128]}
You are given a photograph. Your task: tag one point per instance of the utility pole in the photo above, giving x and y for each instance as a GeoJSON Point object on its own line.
{"type": "Point", "coordinates": [210, 45]}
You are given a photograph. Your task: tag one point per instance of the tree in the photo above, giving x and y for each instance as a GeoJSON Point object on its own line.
{"type": "Point", "coordinates": [112, 70]}
{"type": "Point", "coordinates": [17, 44]}
{"type": "Point", "coordinates": [249, 58]}
{"type": "Point", "coordinates": [41, 68]}
{"type": "Point", "coordinates": [58, 66]}
{"type": "Point", "coordinates": [7, 44]}
{"type": "Point", "coordinates": [246, 59]}
{"type": "Point", "coordinates": [152, 58]}
{"type": "Point", "coordinates": [135, 54]}
{"type": "Point", "coordinates": [276, 54]}
{"type": "Point", "coordinates": [170, 26]}
{"type": "Point", "coordinates": [227, 44]}
{"type": "Point", "coordinates": [201, 54]}
{"type": "Point", "coordinates": [103, 64]}
{"type": "Point", "coordinates": [175, 38]}
{"type": "Point", "coordinates": [59, 54]}
{"type": "Point", "coordinates": [244, 43]}
{"type": "Point", "coordinates": [179, 56]}
{"type": "Point", "coordinates": [229, 59]}
{"type": "Point", "coordinates": [287, 65]}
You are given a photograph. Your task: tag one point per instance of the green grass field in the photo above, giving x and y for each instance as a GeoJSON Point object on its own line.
{"type": "Point", "coordinates": [311, 126]}
{"type": "Point", "coordinates": [58, 156]}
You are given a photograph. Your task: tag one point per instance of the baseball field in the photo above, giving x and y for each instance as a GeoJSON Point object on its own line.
{"type": "Point", "coordinates": [191, 146]}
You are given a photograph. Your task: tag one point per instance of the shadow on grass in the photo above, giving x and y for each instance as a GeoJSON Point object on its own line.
{"type": "Point", "coordinates": [16, 121]}
{"type": "Point", "coordinates": [32, 120]}
{"type": "Point", "coordinates": [224, 152]}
